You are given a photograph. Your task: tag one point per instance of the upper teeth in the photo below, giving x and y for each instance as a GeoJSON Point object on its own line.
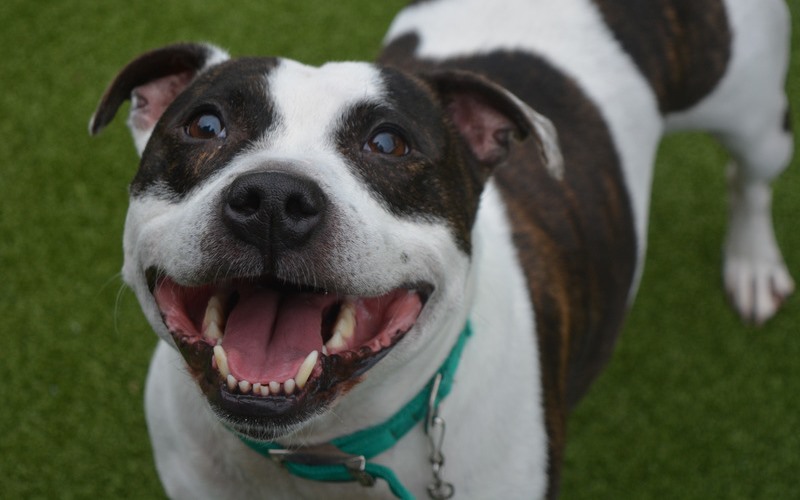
{"type": "Point", "coordinates": [222, 361]}
{"type": "Point", "coordinates": [213, 329]}
{"type": "Point", "coordinates": [214, 319]}
{"type": "Point", "coordinates": [344, 328]}
{"type": "Point", "coordinates": [305, 369]}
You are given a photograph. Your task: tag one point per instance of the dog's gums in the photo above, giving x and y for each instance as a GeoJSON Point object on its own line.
{"type": "Point", "coordinates": [267, 349]}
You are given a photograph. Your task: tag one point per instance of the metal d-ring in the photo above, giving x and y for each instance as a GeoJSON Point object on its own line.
{"type": "Point", "coordinates": [435, 427]}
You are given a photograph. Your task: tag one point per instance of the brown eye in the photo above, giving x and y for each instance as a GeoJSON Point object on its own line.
{"type": "Point", "coordinates": [387, 143]}
{"type": "Point", "coordinates": [206, 126]}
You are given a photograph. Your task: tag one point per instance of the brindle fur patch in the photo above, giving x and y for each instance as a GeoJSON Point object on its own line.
{"type": "Point", "coordinates": [682, 47]}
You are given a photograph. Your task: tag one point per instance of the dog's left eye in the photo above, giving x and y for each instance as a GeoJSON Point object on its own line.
{"type": "Point", "coordinates": [388, 143]}
{"type": "Point", "coordinates": [206, 126]}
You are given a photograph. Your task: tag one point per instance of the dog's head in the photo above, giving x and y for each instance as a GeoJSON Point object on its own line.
{"type": "Point", "coordinates": [290, 227]}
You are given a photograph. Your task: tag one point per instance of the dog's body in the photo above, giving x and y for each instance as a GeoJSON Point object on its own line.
{"type": "Point", "coordinates": [538, 242]}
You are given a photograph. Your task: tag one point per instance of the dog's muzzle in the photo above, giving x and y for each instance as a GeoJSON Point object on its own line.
{"type": "Point", "coordinates": [267, 351]}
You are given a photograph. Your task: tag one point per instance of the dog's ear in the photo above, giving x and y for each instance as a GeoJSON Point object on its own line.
{"type": "Point", "coordinates": [488, 117]}
{"type": "Point", "coordinates": [151, 82]}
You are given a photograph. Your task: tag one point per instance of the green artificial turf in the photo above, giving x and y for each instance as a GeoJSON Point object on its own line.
{"type": "Point", "coordinates": [694, 405]}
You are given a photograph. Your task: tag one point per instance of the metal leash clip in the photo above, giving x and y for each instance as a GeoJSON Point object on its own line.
{"type": "Point", "coordinates": [326, 454]}
{"type": "Point", "coordinates": [435, 426]}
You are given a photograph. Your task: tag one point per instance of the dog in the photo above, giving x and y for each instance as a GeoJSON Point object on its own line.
{"type": "Point", "coordinates": [342, 261]}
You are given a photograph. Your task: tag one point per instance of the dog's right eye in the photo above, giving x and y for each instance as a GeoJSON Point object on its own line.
{"type": "Point", "coordinates": [387, 142]}
{"type": "Point", "coordinates": [206, 126]}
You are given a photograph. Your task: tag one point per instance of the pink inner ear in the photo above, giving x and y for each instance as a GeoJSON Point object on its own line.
{"type": "Point", "coordinates": [149, 101]}
{"type": "Point", "coordinates": [485, 129]}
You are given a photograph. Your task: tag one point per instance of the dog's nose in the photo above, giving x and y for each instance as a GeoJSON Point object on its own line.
{"type": "Point", "coordinates": [273, 211]}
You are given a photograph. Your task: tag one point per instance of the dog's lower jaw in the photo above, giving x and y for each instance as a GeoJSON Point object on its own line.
{"type": "Point", "coordinates": [268, 418]}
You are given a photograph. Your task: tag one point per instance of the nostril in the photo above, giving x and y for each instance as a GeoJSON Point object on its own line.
{"type": "Point", "coordinates": [300, 206]}
{"type": "Point", "coordinates": [246, 203]}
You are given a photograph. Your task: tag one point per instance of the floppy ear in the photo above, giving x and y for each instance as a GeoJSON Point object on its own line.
{"type": "Point", "coordinates": [489, 117]}
{"type": "Point", "coordinates": [152, 81]}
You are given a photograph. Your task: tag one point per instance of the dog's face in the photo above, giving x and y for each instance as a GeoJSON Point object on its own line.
{"type": "Point", "coordinates": [290, 227]}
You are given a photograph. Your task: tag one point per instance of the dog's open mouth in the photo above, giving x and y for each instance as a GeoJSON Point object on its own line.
{"type": "Point", "coordinates": [265, 349]}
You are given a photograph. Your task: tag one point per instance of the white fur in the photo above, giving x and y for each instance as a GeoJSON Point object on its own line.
{"type": "Point", "coordinates": [501, 365]}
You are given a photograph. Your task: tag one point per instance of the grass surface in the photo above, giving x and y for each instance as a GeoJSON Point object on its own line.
{"type": "Point", "coordinates": [694, 405]}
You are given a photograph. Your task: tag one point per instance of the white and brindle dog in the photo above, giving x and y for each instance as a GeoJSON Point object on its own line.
{"type": "Point", "coordinates": [310, 242]}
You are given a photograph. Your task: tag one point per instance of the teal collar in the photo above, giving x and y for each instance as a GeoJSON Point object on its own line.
{"type": "Point", "coordinates": [346, 458]}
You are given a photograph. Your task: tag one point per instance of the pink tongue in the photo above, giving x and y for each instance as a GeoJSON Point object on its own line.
{"type": "Point", "coordinates": [264, 345]}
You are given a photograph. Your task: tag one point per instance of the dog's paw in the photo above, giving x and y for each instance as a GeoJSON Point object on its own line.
{"type": "Point", "coordinates": [757, 288]}
{"type": "Point", "coordinates": [756, 278]}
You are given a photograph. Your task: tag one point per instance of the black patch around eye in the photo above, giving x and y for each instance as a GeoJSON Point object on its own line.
{"type": "Point", "coordinates": [433, 181]}
{"type": "Point", "coordinates": [229, 101]}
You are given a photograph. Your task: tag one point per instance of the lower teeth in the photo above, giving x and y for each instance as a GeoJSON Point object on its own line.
{"type": "Point", "coordinates": [264, 389]}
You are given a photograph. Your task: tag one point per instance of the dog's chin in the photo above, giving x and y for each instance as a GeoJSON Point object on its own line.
{"type": "Point", "coordinates": [270, 356]}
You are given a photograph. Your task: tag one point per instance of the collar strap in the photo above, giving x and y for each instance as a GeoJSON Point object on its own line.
{"type": "Point", "coordinates": [346, 458]}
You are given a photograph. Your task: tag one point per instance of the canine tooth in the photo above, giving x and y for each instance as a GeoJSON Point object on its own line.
{"type": "Point", "coordinates": [274, 387]}
{"type": "Point", "coordinates": [264, 390]}
{"type": "Point", "coordinates": [244, 386]}
{"type": "Point", "coordinates": [222, 361]}
{"type": "Point", "coordinates": [305, 369]}
{"type": "Point", "coordinates": [324, 350]}
{"type": "Point", "coordinates": [212, 332]}
{"type": "Point", "coordinates": [344, 328]}
{"type": "Point", "coordinates": [346, 322]}
{"type": "Point", "coordinates": [214, 312]}
{"type": "Point", "coordinates": [336, 343]}
{"type": "Point", "coordinates": [232, 382]}
{"type": "Point", "coordinates": [289, 386]}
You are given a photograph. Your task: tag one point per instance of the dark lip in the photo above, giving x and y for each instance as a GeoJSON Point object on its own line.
{"type": "Point", "coordinates": [268, 417]}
